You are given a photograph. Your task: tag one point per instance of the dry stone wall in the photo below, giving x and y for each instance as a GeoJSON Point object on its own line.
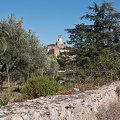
{"type": "Point", "coordinates": [77, 106]}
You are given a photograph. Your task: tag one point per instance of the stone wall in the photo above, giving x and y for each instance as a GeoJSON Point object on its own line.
{"type": "Point", "coordinates": [77, 106]}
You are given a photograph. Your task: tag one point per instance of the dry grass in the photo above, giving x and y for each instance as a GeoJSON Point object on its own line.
{"type": "Point", "coordinates": [81, 87]}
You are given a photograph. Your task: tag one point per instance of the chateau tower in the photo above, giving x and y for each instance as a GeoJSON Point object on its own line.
{"type": "Point", "coordinates": [55, 49]}
{"type": "Point", "coordinates": [60, 44]}
{"type": "Point", "coordinates": [60, 38]}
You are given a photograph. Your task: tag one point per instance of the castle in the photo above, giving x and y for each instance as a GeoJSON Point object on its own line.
{"type": "Point", "coordinates": [57, 48]}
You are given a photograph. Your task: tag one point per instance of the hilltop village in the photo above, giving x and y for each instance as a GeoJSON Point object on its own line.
{"type": "Point", "coordinates": [57, 48]}
{"type": "Point", "coordinates": [60, 48]}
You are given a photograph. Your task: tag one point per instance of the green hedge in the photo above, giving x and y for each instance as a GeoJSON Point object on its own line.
{"type": "Point", "coordinates": [40, 86]}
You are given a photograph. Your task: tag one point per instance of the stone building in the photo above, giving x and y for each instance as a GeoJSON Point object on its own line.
{"type": "Point", "coordinates": [55, 49]}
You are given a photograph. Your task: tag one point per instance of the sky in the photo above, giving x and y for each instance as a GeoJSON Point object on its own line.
{"type": "Point", "coordinates": [49, 18]}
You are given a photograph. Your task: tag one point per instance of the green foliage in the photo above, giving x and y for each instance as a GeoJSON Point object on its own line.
{"type": "Point", "coordinates": [16, 57]}
{"type": "Point", "coordinates": [38, 56]}
{"type": "Point", "coordinates": [25, 56]}
{"type": "Point", "coordinates": [40, 86]}
{"type": "Point", "coordinates": [96, 45]}
{"type": "Point", "coordinates": [4, 99]}
{"type": "Point", "coordinates": [52, 67]}
{"type": "Point", "coordinates": [3, 42]}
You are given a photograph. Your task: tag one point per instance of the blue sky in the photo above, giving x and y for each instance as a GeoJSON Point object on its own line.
{"type": "Point", "coordinates": [49, 18]}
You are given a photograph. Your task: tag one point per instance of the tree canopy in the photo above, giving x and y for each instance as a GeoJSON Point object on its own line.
{"type": "Point", "coordinates": [97, 45]}
{"type": "Point", "coordinates": [24, 56]}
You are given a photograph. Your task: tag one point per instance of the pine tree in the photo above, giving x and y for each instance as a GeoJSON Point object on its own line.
{"type": "Point", "coordinates": [90, 42]}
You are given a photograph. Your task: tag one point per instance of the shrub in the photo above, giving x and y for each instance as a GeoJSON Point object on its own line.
{"type": "Point", "coordinates": [40, 86]}
{"type": "Point", "coordinates": [16, 97]}
{"type": "Point", "coordinates": [4, 99]}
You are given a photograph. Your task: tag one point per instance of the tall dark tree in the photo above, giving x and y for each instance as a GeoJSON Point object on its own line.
{"type": "Point", "coordinates": [90, 42]}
